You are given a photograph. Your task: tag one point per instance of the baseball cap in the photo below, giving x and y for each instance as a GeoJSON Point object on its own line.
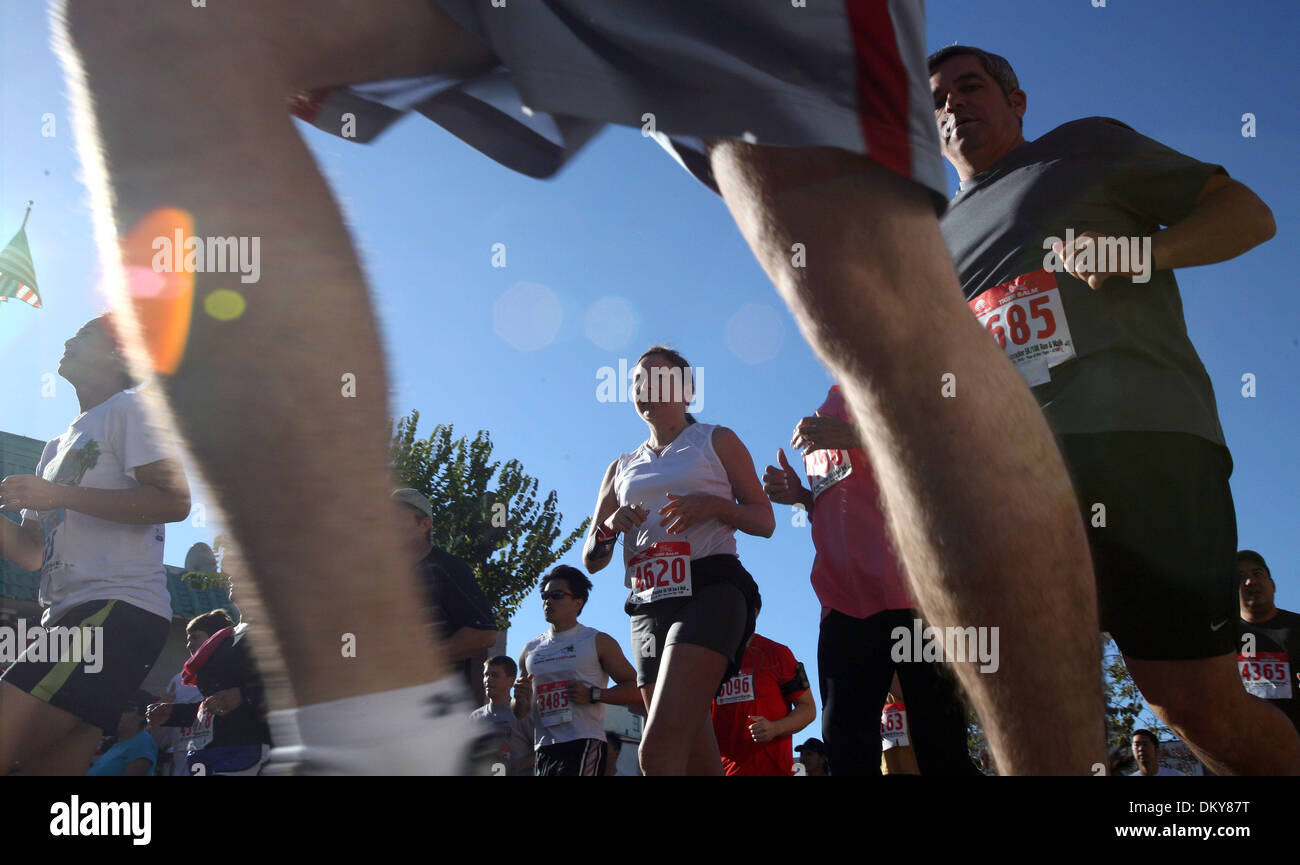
{"type": "Point", "coordinates": [1253, 557]}
{"type": "Point", "coordinates": [813, 745]}
{"type": "Point", "coordinates": [414, 498]}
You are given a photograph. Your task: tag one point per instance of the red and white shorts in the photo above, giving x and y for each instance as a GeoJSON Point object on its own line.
{"type": "Point", "coordinates": [828, 73]}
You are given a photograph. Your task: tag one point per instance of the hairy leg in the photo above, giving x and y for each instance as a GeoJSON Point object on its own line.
{"type": "Point", "coordinates": [183, 108]}
{"type": "Point", "coordinates": [977, 496]}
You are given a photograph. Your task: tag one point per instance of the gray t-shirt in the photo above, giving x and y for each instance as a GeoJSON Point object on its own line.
{"type": "Point", "coordinates": [511, 735]}
{"type": "Point", "coordinates": [1118, 359]}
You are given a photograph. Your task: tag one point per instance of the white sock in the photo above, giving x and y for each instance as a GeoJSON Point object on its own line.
{"type": "Point", "coordinates": [421, 730]}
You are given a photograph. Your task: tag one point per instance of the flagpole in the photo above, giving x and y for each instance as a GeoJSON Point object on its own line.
{"type": "Point", "coordinates": [27, 214]}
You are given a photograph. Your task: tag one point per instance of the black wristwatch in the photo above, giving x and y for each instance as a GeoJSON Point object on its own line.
{"type": "Point", "coordinates": [596, 694]}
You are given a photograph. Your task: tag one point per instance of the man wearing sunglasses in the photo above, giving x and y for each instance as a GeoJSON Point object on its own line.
{"type": "Point", "coordinates": [563, 675]}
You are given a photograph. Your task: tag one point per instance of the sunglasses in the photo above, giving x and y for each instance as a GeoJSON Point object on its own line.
{"type": "Point", "coordinates": [555, 595]}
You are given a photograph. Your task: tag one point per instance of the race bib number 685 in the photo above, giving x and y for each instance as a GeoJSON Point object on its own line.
{"type": "Point", "coordinates": [1027, 319]}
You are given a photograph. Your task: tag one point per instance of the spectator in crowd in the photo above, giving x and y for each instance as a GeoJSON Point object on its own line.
{"type": "Point", "coordinates": [172, 741]}
{"type": "Point", "coordinates": [229, 734]}
{"type": "Point", "coordinates": [511, 737]}
{"type": "Point", "coordinates": [1146, 751]}
{"type": "Point", "coordinates": [1269, 636]}
{"type": "Point", "coordinates": [812, 754]}
{"type": "Point", "coordinates": [457, 604]}
{"type": "Point", "coordinates": [135, 752]}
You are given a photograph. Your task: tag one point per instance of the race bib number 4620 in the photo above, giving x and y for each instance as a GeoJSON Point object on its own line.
{"type": "Point", "coordinates": [660, 571]}
{"type": "Point", "coordinates": [1027, 319]}
{"type": "Point", "coordinates": [1266, 674]}
{"type": "Point", "coordinates": [553, 703]}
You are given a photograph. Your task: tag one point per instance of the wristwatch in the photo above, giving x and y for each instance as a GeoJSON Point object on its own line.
{"type": "Point", "coordinates": [596, 694]}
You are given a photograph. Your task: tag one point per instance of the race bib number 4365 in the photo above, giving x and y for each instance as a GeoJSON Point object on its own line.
{"type": "Point", "coordinates": [1027, 319]}
{"type": "Point", "coordinates": [1266, 674]}
{"type": "Point", "coordinates": [660, 571]}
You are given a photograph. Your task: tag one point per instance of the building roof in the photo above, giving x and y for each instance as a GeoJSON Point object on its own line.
{"type": "Point", "coordinates": [187, 602]}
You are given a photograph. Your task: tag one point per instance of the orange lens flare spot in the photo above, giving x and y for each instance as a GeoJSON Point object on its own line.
{"type": "Point", "coordinates": [159, 286]}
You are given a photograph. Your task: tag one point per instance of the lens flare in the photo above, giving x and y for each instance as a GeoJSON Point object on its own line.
{"type": "Point", "coordinates": [160, 290]}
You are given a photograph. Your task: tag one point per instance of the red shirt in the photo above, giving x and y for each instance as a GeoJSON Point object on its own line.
{"type": "Point", "coordinates": [856, 571]}
{"type": "Point", "coordinates": [769, 681]}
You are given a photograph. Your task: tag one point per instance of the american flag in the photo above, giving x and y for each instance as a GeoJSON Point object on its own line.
{"type": "Point", "coordinates": [17, 275]}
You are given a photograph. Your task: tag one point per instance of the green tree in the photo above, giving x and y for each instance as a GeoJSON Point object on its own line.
{"type": "Point", "coordinates": [484, 511]}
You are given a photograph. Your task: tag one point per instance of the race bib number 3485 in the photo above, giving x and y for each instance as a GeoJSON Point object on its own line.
{"type": "Point", "coordinates": [553, 703]}
{"type": "Point", "coordinates": [660, 571]}
{"type": "Point", "coordinates": [1027, 319]}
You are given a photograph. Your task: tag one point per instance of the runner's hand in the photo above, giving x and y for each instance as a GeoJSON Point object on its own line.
{"type": "Point", "coordinates": [579, 692]}
{"type": "Point", "coordinates": [1093, 275]}
{"type": "Point", "coordinates": [761, 729]}
{"type": "Point", "coordinates": [682, 512]}
{"type": "Point", "coordinates": [782, 485]}
{"type": "Point", "coordinates": [626, 518]}
{"type": "Point", "coordinates": [158, 714]}
{"type": "Point", "coordinates": [29, 491]}
{"type": "Point", "coordinates": [824, 432]}
{"type": "Point", "coordinates": [524, 689]}
{"type": "Point", "coordinates": [224, 702]}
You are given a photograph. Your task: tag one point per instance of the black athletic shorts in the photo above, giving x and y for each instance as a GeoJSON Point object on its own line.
{"type": "Point", "coordinates": [578, 757]}
{"type": "Point", "coordinates": [96, 686]}
{"type": "Point", "coordinates": [719, 615]}
{"type": "Point", "coordinates": [1163, 532]}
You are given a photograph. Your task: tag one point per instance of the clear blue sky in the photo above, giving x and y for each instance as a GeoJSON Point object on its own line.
{"type": "Point", "coordinates": [625, 222]}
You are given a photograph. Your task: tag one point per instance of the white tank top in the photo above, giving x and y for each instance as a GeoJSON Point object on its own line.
{"type": "Point", "coordinates": [688, 465]}
{"type": "Point", "coordinates": [554, 660]}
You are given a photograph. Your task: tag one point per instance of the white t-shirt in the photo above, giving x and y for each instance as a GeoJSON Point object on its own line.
{"type": "Point", "coordinates": [86, 558]}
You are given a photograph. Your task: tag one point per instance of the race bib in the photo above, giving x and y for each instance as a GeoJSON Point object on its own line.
{"type": "Point", "coordinates": [553, 703]}
{"type": "Point", "coordinates": [660, 571]}
{"type": "Point", "coordinates": [826, 468]}
{"type": "Point", "coordinates": [893, 727]}
{"type": "Point", "coordinates": [1266, 674]}
{"type": "Point", "coordinates": [1027, 319]}
{"type": "Point", "coordinates": [200, 734]}
{"type": "Point", "coordinates": [737, 689]}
